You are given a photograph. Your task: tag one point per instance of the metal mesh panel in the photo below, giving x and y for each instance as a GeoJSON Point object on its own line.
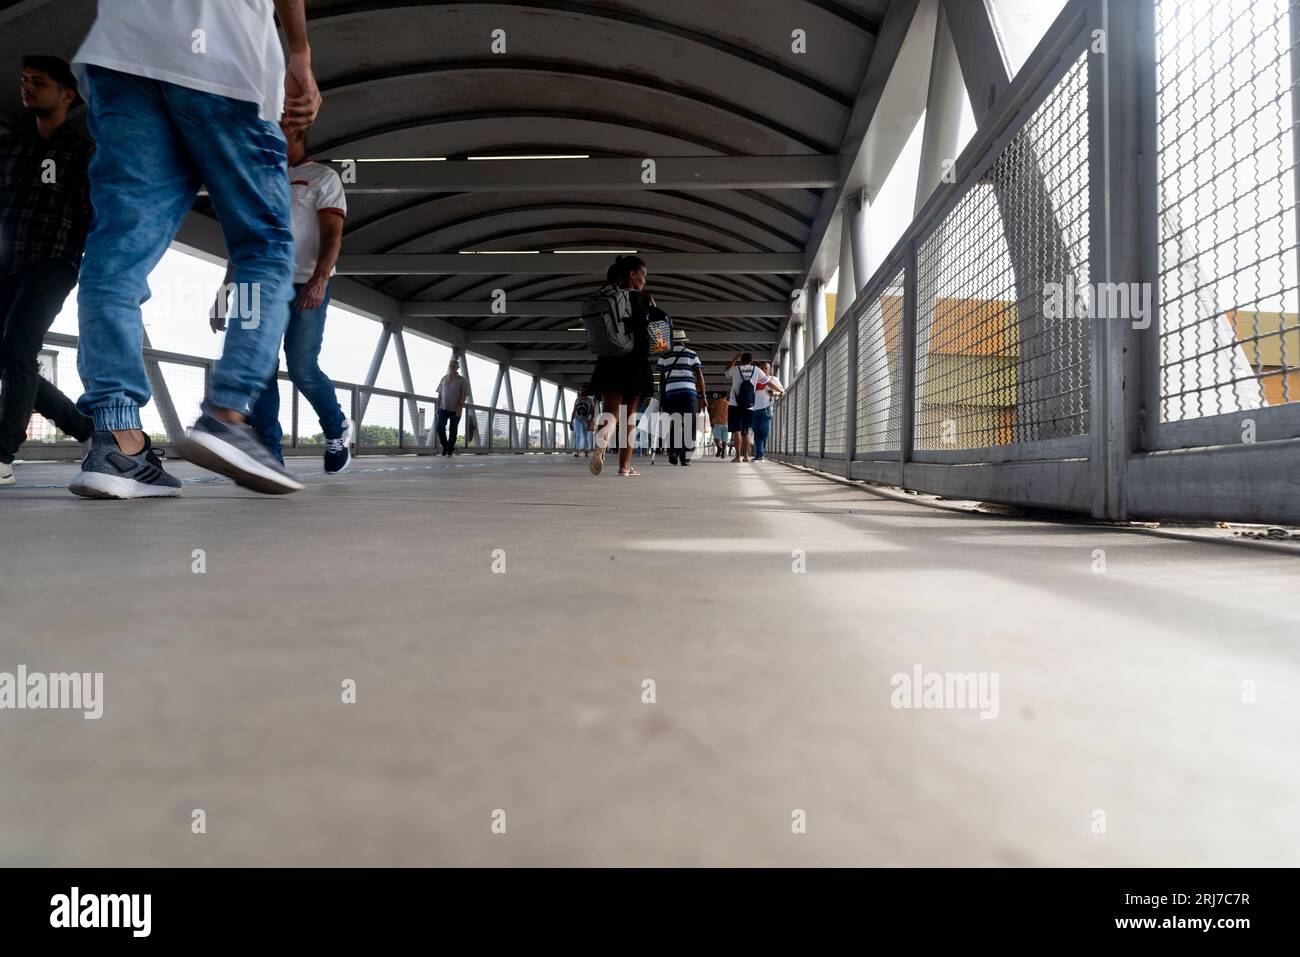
{"type": "Point", "coordinates": [379, 422]}
{"type": "Point", "coordinates": [479, 439]}
{"type": "Point", "coordinates": [58, 366]}
{"type": "Point", "coordinates": [1003, 337]}
{"type": "Point", "coordinates": [837, 395]}
{"type": "Point", "coordinates": [1226, 132]}
{"type": "Point", "coordinates": [815, 396]}
{"type": "Point", "coordinates": [801, 422]}
{"type": "Point", "coordinates": [880, 383]}
{"type": "Point", "coordinates": [501, 430]}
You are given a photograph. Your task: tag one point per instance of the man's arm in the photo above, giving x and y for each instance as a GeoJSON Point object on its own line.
{"type": "Point", "coordinates": [699, 386]}
{"type": "Point", "coordinates": [331, 243]}
{"type": "Point", "coordinates": [301, 96]}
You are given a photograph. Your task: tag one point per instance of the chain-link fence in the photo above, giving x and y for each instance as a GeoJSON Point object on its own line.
{"type": "Point", "coordinates": [1226, 134]}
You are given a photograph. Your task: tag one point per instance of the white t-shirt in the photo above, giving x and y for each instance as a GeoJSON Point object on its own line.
{"type": "Point", "coordinates": [237, 54]}
{"type": "Point", "coordinates": [314, 187]}
{"type": "Point", "coordinates": [762, 395]}
{"type": "Point", "coordinates": [753, 373]}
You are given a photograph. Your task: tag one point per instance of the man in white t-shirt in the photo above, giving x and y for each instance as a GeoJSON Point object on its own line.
{"type": "Point", "coordinates": [746, 379]}
{"type": "Point", "coordinates": [320, 209]}
{"type": "Point", "coordinates": [183, 94]}
{"type": "Point", "coordinates": [763, 395]}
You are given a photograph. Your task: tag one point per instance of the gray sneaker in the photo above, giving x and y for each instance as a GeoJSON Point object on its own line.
{"type": "Point", "coordinates": [108, 472]}
{"type": "Point", "coordinates": [235, 451]}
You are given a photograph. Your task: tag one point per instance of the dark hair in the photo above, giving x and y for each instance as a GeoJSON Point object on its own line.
{"type": "Point", "coordinates": [57, 69]}
{"type": "Point", "coordinates": [622, 268]}
{"type": "Point", "coordinates": [746, 358]}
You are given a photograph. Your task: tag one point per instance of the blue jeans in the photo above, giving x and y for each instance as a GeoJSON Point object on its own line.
{"type": "Point", "coordinates": [447, 424]}
{"type": "Point", "coordinates": [155, 144]}
{"type": "Point", "coordinates": [302, 341]}
{"type": "Point", "coordinates": [762, 427]}
{"type": "Point", "coordinates": [581, 435]}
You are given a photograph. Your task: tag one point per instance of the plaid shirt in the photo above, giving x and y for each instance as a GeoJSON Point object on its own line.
{"type": "Point", "coordinates": [44, 209]}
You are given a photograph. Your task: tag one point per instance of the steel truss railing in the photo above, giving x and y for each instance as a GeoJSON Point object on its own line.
{"type": "Point", "coordinates": [1116, 165]}
{"type": "Point", "coordinates": [383, 417]}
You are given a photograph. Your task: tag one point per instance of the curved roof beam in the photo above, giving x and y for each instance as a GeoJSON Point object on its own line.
{"type": "Point", "coordinates": [687, 197]}
{"type": "Point", "coordinates": [634, 211]}
{"type": "Point", "coordinates": [363, 7]}
{"type": "Point", "coordinates": [362, 80]}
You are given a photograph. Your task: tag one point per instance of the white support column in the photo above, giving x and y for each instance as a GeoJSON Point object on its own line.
{"type": "Point", "coordinates": [814, 330]}
{"type": "Point", "coordinates": [412, 410]}
{"type": "Point", "coordinates": [862, 267]}
{"type": "Point", "coordinates": [943, 109]}
{"type": "Point", "coordinates": [847, 291]}
{"type": "Point", "coordinates": [372, 374]}
{"type": "Point", "coordinates": [797, 335]}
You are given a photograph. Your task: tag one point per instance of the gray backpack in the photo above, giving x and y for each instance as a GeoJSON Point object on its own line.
{"type": "Point", "coordinates": [607, 334]}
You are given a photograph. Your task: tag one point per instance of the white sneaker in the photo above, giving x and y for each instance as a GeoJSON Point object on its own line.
{"type": "Point", "coordinates": [6, 474]}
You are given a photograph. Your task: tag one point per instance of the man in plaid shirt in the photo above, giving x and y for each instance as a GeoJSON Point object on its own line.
{"type": "Point", "coordinates": [44, 214]}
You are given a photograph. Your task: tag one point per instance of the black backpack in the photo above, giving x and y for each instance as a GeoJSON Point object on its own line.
{"type": "Point", "coordinates": [581, 409]}
{"type": "Point", "coordinates": [745, 392]}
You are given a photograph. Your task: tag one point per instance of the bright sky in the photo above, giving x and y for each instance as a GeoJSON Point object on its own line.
{"type": "Point", "coordinates": [176, 320]}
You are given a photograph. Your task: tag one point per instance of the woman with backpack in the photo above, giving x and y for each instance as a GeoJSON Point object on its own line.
{"type": "Point", "coordinates": [584, 415]}
{"type": "Point", "coordinates": [622, 380]}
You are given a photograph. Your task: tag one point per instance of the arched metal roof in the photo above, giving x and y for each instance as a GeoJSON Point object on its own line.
{"type": "Point", "coordinates": [605, 79]}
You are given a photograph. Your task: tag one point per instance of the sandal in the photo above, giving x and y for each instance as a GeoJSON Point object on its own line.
{"type": "Point", "coordinates": [628, 472]}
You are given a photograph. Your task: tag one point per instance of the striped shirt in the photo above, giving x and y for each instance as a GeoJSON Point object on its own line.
{"type": "Point", "coordinates": [678, 366]}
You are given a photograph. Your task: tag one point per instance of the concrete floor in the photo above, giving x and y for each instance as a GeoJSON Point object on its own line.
{"type": "Point", "coordinates": [1119, 692]}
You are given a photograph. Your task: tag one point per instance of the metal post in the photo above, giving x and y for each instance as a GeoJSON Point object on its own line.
{"type": "Point", "coordinates": [293, 392]}
{"type": "Point", "coordinates": [407, 382]}
{"type": "Point", "coordinates": [372, 374]}
{"type": "Point", "coordinates": [492, 407]}
{"type": "Point", "coordinates": [161, 395]}
{"type": "Point", "coordinates": [1114, 137]}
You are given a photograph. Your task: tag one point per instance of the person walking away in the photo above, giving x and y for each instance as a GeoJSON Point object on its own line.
{"type": "Point", "coordinates": [452, 392]}
{"type": "Point", "coordinates": [621, 381]}
{"type": "Point", "coordinates": [763, 395]}
{"type": "Point", "coordinates": [584, 418]}
{"type": "Point", "coordinates": [319, 211]}
{"type": "Point", "coordinates": [718, 415]}
{"type": "Point", "coordinates": [44, 215]}
{"type": "Point", "coordinates": [683, 396]}
{"type": "Point", "coordinates": [745, 380]}
{"type": "Point", "coordinates": [166, 121]}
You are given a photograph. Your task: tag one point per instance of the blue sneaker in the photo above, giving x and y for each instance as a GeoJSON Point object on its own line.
{"type": "Point", "coordinates": [235, 451]}
{"type": "Point", "coordinates": [108, 472]}
{"type": "Point", "coordinates": [338, 451]}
